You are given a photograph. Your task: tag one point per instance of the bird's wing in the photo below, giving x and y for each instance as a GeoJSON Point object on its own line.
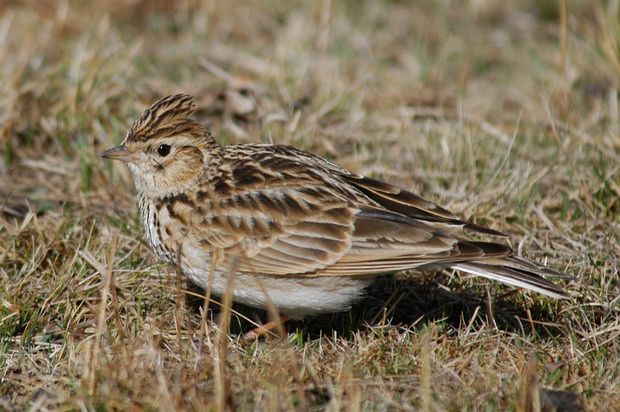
{"type": "Point", "coordinates": [365, 190]}
{"type": "Point", "coordinates": [315, 232]}
{"type": "Point", "coordinates": [279, 230]}
{"type": "Point", "coordinates": [289, 213]}
{"type": "Point", "coordinates": [384, 241]}
{"type": "Point", "coordinates": [409, 204]}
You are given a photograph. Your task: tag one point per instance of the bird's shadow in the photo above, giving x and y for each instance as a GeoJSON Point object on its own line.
{"type": "Point", "coordinates": [402, 303]}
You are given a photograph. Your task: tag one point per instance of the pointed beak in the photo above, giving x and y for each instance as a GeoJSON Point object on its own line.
{"type": "Point", "coordinates": [117, 153]}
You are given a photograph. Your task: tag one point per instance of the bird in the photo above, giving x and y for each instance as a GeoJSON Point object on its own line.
{"type": "Point", "coordinates": [279, 227]}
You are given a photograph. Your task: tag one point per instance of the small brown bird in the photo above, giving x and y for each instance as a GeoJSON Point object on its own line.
{"type": "Point", "coordinates": [302, 233]}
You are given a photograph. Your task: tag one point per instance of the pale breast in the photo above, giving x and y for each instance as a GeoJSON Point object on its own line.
{"type": "Point", "coordinates": [153, 227]}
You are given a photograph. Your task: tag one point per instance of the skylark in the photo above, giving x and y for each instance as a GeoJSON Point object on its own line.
{"type": "Point", "coordinates": [302, 233]}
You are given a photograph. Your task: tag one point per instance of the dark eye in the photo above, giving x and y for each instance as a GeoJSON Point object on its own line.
{"type": "Point", "coordinates": [163, 150]}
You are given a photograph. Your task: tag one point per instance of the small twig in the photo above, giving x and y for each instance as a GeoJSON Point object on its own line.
{"type": "Point", "coordinates": [205, 306]}
{"type": "Point", "coordinates": [529, 392]}
{"type": "Point", "coordinates": [222, 392]}
{"type": "Point", "coordinates": [165, 397]}
{"type": "Point", "coordinates": [113, 295]}
{"type": "Point", "coordinates": [179, 301]}
{"type": "Point", "coordinates": [490, 311]}
{"type": "Point", "coordinates": [425, 374]}
{"type": "Point", "coordinates": [216, 70]}
{"type": "Point", "coordinates": [106, 272]}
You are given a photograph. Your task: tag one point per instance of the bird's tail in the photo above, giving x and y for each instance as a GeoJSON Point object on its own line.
{"type": "Point", "coordinates": [515, 271]}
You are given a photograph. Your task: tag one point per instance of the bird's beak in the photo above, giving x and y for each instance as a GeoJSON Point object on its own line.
{"type": "Point", "coordinates": [117, 153]}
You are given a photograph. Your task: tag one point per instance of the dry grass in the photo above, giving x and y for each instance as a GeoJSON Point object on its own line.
{"type": "Point", "coordinates": [494, 110]}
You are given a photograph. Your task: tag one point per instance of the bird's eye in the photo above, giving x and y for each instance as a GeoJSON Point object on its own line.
{"type": "Point", "coordinates": [163, 150]}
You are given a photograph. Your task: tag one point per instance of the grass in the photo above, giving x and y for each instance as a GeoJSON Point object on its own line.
{"type": "Point", "coordinates": [490, 108]}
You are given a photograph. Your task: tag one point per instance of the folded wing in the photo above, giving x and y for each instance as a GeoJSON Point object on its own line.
{"type": "Point", "coordinates": [303, 230]}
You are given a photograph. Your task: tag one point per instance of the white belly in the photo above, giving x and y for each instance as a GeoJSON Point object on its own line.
{"type": "Point", "coordinates": [292, 296]}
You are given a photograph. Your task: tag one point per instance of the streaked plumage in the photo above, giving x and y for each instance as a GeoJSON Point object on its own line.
{"type": "Point", "coordinates": [301, 232]}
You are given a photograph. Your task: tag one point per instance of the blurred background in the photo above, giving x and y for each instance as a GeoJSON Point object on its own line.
{"type": "Point", "coordinates": [354, 80]}
{"type": "Point", "coordinates": [505, 112]}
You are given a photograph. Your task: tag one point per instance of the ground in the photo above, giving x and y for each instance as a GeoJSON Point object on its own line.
{"type": "Point", "coordinates": [504, 112]}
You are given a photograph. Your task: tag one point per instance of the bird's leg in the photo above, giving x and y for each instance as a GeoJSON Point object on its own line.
{"type": "Point", "coordinates": [263, 330]}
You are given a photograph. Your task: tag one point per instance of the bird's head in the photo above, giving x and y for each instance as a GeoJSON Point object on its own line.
{"type": "Point", "coordinates": [165, 149]}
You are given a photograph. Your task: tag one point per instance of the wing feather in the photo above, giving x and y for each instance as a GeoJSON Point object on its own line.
{"type": "Point", "coordinates": [374, 241]}
{"type": "Point", "coordinates": [409, 204]}
{"type": "Point", "coordinates": [335, 238]}
{"type": "Point", "coordinates": [275, 232]}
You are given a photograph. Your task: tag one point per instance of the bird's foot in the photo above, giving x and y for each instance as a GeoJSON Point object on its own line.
{"type": "Point", "coordinates": [266, 329]}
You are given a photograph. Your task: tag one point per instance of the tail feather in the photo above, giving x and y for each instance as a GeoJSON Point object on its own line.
{"type": "Point", "coordinates": [516, 262]}
{"type": "Point", "coordinates": [516, 272]}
